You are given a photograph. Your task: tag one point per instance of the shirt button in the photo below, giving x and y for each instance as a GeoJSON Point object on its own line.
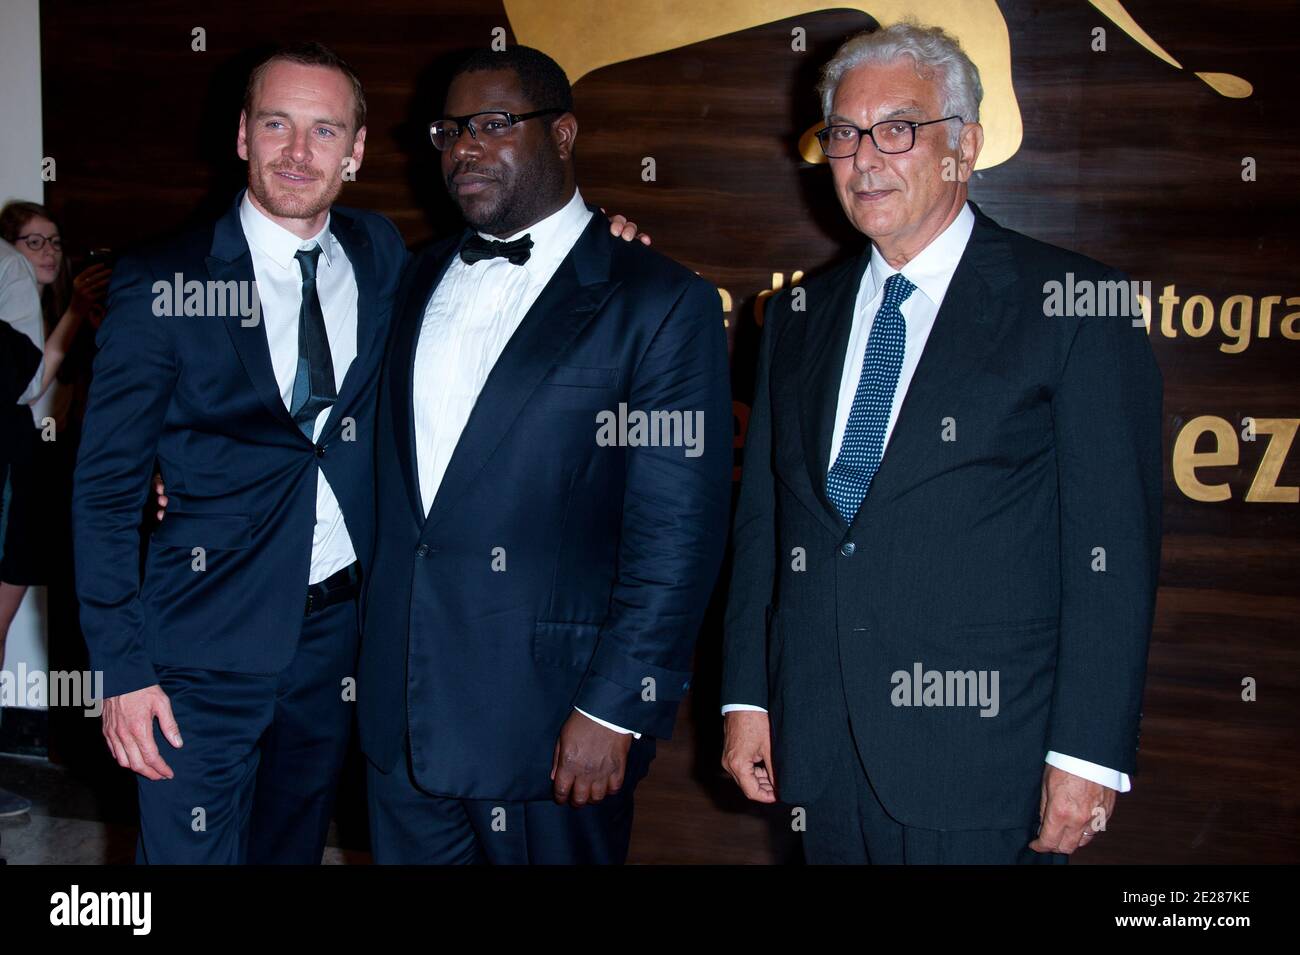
{"type": "Point", "coordinates": [422, 550]}
{"type": "Point", "coordinates": [847, 548]}
{"type": "Point", "coordinates": [320, 450]}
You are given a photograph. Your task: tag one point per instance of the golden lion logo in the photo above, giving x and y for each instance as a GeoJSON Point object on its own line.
{"type": "Point", "coordinates": [585, 35]}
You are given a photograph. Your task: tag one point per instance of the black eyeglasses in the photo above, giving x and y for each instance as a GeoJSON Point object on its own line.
{"type": "Point", "coordinates": [493, 124]}
{"type": "Point", "coordinates": [890, 136]}
{"type": "Point", "coordinates": [35, 241]}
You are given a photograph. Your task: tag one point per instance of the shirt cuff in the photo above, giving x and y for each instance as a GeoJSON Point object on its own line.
{"type": "Point", "coordinates": [1091, 771]}
{"type": "Point", "coordinates": [609, 726]}
{"type": "Point", "coordinates": [749, 707]}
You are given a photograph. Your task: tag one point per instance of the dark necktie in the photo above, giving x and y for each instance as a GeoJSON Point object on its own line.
{"type": "Point", "coordinates": [863, 444]}
{"type": "Point", "coordinates": [313, 385]}
{"type": "Point", "coordinates": [477, 248]}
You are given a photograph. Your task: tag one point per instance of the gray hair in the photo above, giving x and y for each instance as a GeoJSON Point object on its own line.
{"type": "Point", "coordinates": [934, 52]}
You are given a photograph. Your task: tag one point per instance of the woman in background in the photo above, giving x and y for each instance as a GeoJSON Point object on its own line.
{"type": "Point", "coordinates": [36, 534]}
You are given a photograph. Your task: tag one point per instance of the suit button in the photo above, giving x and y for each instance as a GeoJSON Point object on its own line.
{"type": "Point", "coordinates": [320, 450]}
{"type": "Point", "coordinates": [422, 550]}
{"type": "Point", "coordinates": [847, 548]}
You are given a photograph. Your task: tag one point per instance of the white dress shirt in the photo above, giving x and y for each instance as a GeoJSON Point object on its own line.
{"type": "Point", "coordinates": [931, 272]}
{"type": "Point", "coordinates": [20, 306]}
{"type": "Point", "coordinates": [467, 324]}
{"type": "Point", "coordinates": [279, 290]}
{"type": "Point", "coordinates": [470, 318]}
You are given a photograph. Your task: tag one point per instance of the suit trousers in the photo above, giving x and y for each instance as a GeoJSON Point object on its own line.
{"type": "Point", "coordinates": [410, 826]}
{"type": "Point", "coordinates": [848, 825]}
{"type": "Point", "coordinates": [256, 777]}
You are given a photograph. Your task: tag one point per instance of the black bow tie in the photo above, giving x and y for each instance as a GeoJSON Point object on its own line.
{"type": "Point", "coordinates": [477, 248]}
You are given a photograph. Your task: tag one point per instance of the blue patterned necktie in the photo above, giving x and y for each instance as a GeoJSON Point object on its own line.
{"type": "Point", "coordinates": [863, 445]}
{"type": "Point", "coordinates": [313, 384]}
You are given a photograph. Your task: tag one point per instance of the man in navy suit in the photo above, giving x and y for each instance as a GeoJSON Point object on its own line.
{"type": "Point", "coordinates": [243, 358]}
{"type": "Point", "coordinates": [948, 534]}
{"type": "Point", "coordinates": [554, 457]}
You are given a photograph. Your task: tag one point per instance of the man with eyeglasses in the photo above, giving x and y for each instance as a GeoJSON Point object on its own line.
{"type": "Point", "coordinates": [538, 580]}
{"type": "Point", "coordinates": [950, 667]}
{"type": "Point", "coordinates": [229, 668]}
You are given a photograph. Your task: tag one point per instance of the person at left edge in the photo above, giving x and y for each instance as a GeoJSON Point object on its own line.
{"type": "Point", "coordinates": [243, 629]}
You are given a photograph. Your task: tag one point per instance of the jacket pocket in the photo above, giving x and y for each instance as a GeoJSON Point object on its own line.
{"type": "Point", "coordinates": [561, 644]}
{"type": "Point", "coordinates": [209, 531]}
{"type": "Point", "coordinates": [1009, 626]}
{"type": "Point", "coordinates": [575, 375]}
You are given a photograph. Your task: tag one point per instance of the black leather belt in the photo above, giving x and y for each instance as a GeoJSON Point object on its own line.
{"type": "Point", "coordinates": [334, 589]}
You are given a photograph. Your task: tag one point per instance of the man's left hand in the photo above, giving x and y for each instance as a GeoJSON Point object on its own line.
{"type": "Point", "coordinates": [1072, 811]}
{"type": "Point", "coordinates": [589, 761]}
{"type": "Point", "coordinates": [621, 226]}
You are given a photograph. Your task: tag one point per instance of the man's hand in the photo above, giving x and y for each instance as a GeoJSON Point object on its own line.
{"type": "Point", "coordinates": [625, 229]}
{"type": "Point", "coordinates": [128, 730]}
{"type": "Point", "coordinates": [747, 744]}
{"type": "Point", "coordinates": [88, 291]}
{"type": "Point", "coordinates": [589, 761]}
{"type": "Point", "coordinates": [1068, 810]}
{"type": "Point", "coordinates": [161, 493]}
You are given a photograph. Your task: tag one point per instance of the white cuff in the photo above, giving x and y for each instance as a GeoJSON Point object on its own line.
{"type": "Point", "coordinates": [1111, 778]}
{"type": "Point", "coordinates": [609, 726]}
{"type": "Point", "coordinates": [743, 707]}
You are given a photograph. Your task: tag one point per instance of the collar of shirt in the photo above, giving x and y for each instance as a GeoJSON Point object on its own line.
{"type": "Point", "coordinates": [553, 236]}
{"type": "Point", "coordinates": [932, 270]}
{"type": "Point", "coordinates": [276, 243]}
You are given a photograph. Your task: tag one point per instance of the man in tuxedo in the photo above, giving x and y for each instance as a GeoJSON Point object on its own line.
{"type": "Point", "coordinates": [243, 357]}
{"type": "Point", "coordinates": [553, 484]}
{"type": "Point", "coordinates": [947, 540]}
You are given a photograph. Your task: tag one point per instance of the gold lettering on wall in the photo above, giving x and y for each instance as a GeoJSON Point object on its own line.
{"type": "Point", "coordinates": [1225, 452]}
{"type": "Point", "coordinates": [1187, 459]}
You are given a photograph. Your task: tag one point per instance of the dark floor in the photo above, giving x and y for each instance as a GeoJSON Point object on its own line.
{"type": "Point", "coordinates": [84, 812]}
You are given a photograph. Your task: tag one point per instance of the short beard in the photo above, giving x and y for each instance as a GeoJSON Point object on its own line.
{"type": "Point", "coordinates": [290, 206]}
{"type": "Point", "coordinates": [531, 197]}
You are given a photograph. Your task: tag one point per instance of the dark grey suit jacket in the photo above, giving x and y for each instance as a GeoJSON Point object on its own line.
{"type": "Point", "coordinates": [973, 554]}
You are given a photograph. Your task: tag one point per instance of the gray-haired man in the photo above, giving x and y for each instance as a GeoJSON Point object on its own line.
{"type": "Point", "coordinates": [948, 533]}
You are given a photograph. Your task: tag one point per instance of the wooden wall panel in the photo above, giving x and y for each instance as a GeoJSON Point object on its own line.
{"type": "Point", "coordinates": [1124, 158]}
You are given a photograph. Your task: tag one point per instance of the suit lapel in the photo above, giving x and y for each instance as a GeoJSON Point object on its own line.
{"type": "Point", "coordinates": [427, 273]}
{"type": "Point", "coordinates": [569, 301]}
{"type": "Point", "coordinates": [230, 260]}
{"type": "Point", "coordinates": [361, 254]}
{"type": "Point", "coordinates": [826, 339]}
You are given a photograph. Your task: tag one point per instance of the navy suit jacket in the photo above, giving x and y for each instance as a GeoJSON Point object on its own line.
{"type": "Point", "coordinates": [198, 396]}
{"type": "Point", "coordinates": [550, 572]}
{"type": "Point", "coordinates": [1024, 443]}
